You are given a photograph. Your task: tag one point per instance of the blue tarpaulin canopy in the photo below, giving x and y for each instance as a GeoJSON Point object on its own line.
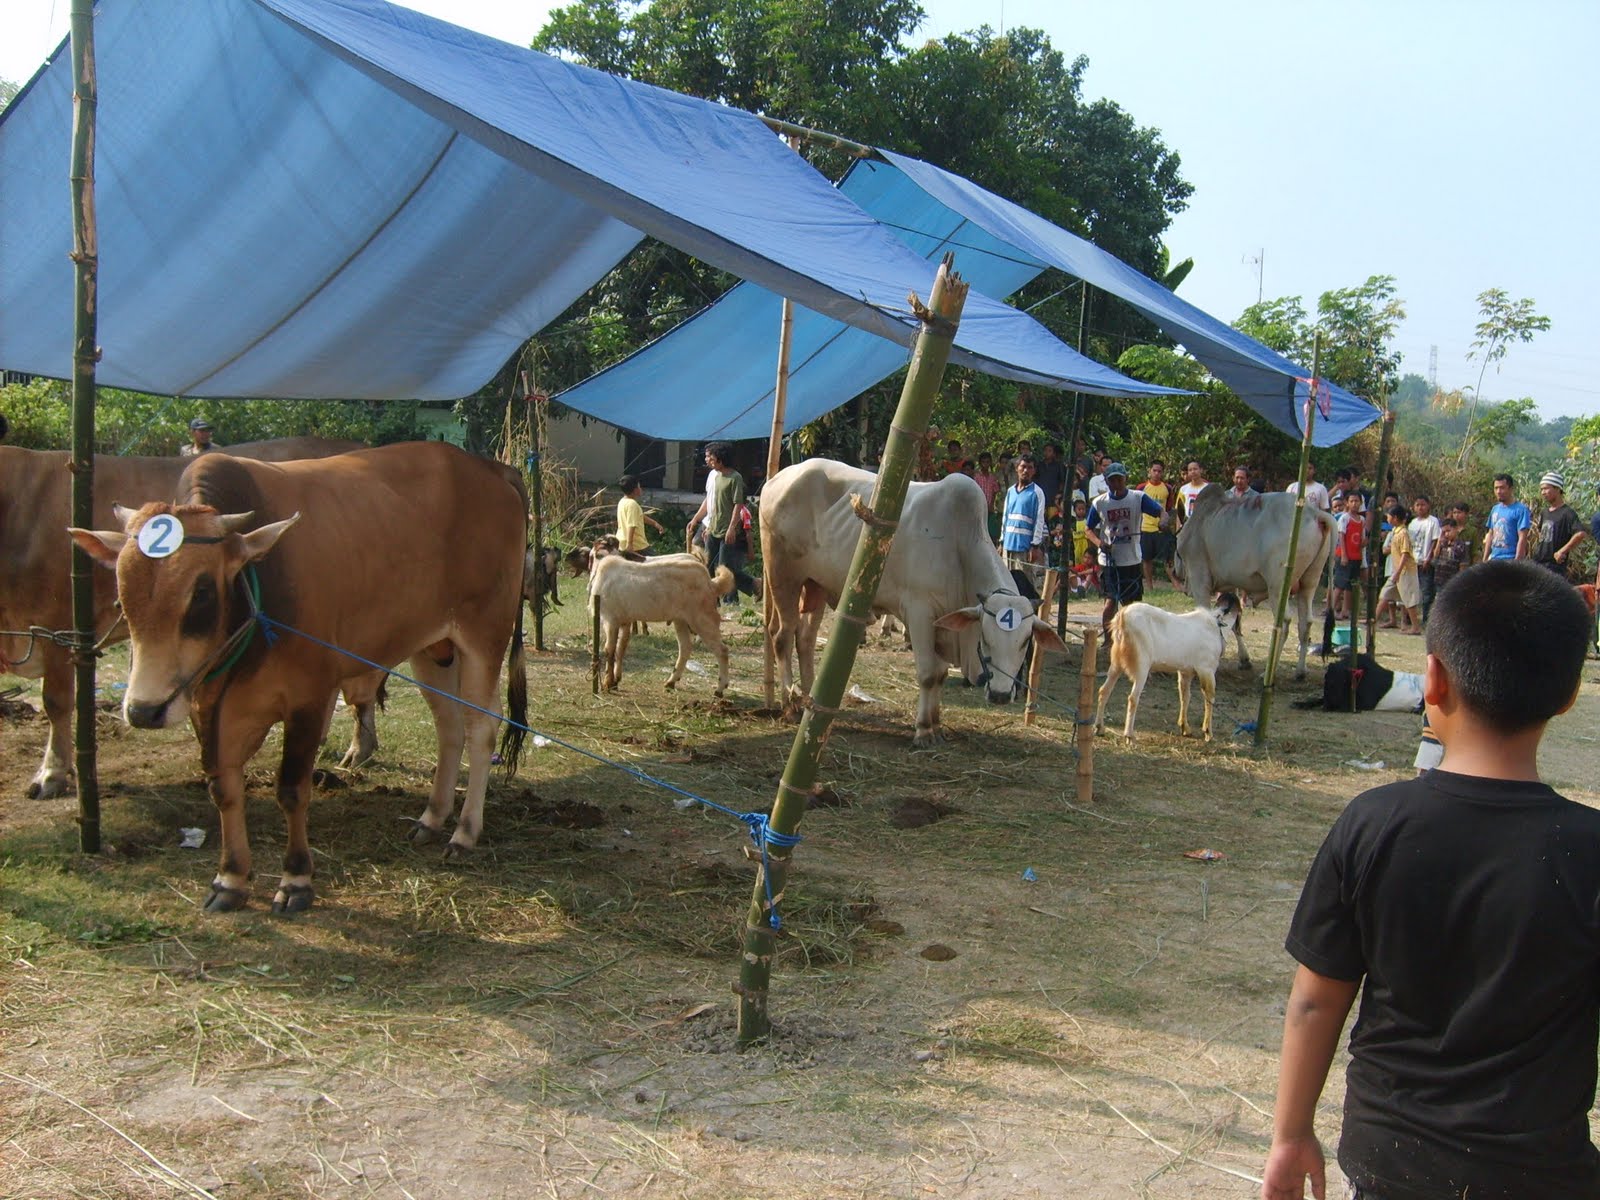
{"type": "Point", "coordinates": [731, 374]}
{"type": "Point", "coordinates": [343, 198]}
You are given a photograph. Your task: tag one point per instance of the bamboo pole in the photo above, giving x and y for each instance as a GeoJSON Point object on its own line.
{"type": "Point", "coordinates": [939, 321]}
{"type": "Point", "coordinates": [85, 354]}
{"type": "Point", "coordinates": [535, 415]}
{"type": "Point", "coordinates": [1374, 522]}
{"type": "Point", "coordinates": [1088, 668]}
{"type": "Point", "coordinates": [1269, 678]}
{"type": "Point", "coordinates": [1069, 516]}
{"type": "Point", "coordinates": [1036, 667]}
{"type": "Point", "coordinates": [780, 403]}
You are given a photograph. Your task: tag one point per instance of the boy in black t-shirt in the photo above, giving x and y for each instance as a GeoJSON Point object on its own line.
{"type": "Point", "coordinates": [1464, 905]}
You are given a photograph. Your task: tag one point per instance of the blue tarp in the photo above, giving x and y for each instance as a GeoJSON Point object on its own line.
{"type": "Point", "coordinates": [1001, 247]}
{"type": "Point", "coordinates": [343, 198]}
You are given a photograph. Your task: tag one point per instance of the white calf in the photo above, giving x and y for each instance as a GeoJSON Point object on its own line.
{"type": "Point", "coordinates": [1145, 638]}
{"type": "Point", "coordinates": [674, 587]}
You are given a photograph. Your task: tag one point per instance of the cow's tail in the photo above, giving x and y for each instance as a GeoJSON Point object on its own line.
{"type": "Point", "coordinates": [1116, 627]}
{"type": "Point", "coordinates": [516, 727]}
{"type": "Point", "coordinates": [723, 582]}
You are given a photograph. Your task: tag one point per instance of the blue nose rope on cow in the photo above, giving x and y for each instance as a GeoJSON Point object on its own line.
{"type": "Point", "coordinates": [758, 824]}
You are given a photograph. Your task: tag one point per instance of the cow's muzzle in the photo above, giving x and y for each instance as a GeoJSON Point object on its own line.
{"type": "Point", "coordinates": [146, 716]}
{"type": "Point", "coordinates": [1000, 697]}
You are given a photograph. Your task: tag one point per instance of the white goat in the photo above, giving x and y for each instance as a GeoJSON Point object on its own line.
{"type": "Point", "coordinates": [674, 587]}
{"type": "Point", "coordinates": [1145, 638]}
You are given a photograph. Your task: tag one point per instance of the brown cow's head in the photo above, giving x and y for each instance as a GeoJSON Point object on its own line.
{"type": "Point", "coordinates": [175, 601]}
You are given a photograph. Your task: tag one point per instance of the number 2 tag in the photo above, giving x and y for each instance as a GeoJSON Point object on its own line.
{"type": "Point", "coordinates": [160, 536]}
{"type": "Point", "coordinates": [1009, 619]}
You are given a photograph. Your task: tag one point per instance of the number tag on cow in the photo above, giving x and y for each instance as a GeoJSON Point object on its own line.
{"type": "Point", "coordinates": [160, 536]}
{"type": "Point", "coordinates": [1010, 619]}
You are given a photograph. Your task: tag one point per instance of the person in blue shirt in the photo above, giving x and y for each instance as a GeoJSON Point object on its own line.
{"type": "Point", "coordinates": [1023, 524]}
{"type": "Point", "coordinates": [1509, 522]}
{"type": "Point", "coordinates": [1115, 519]}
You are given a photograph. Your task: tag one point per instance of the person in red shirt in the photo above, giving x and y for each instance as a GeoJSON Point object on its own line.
{"type": "Point", "coordinates": [1347, 555]}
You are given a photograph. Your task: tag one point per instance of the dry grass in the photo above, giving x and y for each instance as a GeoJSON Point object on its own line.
{"type": "Point", "coordinates": [553, 1016]}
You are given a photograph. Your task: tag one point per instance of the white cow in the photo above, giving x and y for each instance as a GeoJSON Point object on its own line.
{"type": "Point", "coordinates": [943, 579]}
{"type": "Point", "coordinates": [1244, 545]}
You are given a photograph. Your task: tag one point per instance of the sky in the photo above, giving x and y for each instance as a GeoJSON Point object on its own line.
{"type": "Point", "coordinates": [1449, 144]}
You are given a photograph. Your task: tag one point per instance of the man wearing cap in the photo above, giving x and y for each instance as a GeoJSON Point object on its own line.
{"type": "Point", "coordinates": [1560, 531]}
{"type": "Point", "coordinates": [1115, 517]}
{"type": "Point", "coordinates": [199, 438]}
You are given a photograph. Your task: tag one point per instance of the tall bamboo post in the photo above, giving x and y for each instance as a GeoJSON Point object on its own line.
{"type": "Point", "coordinates": [1269, 678]}
{"type": "Point", "coordinates": [1088, 668]}
{"type": "Point", "coordinates": [780, 402]}
{"type": "Point", "coordinates": [1030, 709]}
{"type": "Point", "coordinates": [1374, 523]}
{"type": "Point", "coordinates": [879, 518]}
{"type": "Point", "coordinates": [535, 417]}
{"type": "Point", "coordinates": [1069, 522]}
{"type": "Point", "coordinates": [85, 354]}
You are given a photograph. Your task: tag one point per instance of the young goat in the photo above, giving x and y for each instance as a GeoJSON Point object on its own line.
{"type": "Point", "coordinates": [674, 587]}
{"type": "Point", "coordinates": [1145, 638]}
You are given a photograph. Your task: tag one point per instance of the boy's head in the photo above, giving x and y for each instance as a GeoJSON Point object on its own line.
{"type": "Point", "coordinates": [1397, 513]}
{"type": "Point", "coordinates": [1080, 509]}
{"type": "Point", "coordinates": [1511, 637]}
{"type": "Point", "coordinates": [1447, 529]}
{"type": "Point", "coordinates": [1461, 514]}
{"type": "Point", "coordinates": [629, 484]}
{"type": "Point", "coordinates": [986, 462]}
{"type": "Point", "coordinates": [1352, 502]}
{"type": "Point", "coordinates": [1422, 506]}
{"type": "Point", "coordinates": [719, 454]}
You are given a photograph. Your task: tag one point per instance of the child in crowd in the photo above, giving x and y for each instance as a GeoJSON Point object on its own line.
{"type": "Point", "coordinates": [1464, 906]}
{"type": "Point", "coordinates": [1347, 555]}
{"type": "Point", "coordinates": [1402, 589]}
{"type": "Point", "coordinates": [631, 517]}
{"type": "Point", "coordinates": [1454, 553]}
{"type": "Point", "coordinates": [1085, 571]}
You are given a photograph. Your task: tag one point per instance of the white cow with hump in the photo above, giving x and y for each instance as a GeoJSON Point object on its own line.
{"type": "Point", "coordinates": [1243, 545]}
{"type": "Point", "coordinates": [943, 579]}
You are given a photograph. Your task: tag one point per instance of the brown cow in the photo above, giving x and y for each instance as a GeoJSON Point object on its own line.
{"type": "Point", "coordinates": [36, 588]}
{"type": "Point", "coordinates": [412, 551]}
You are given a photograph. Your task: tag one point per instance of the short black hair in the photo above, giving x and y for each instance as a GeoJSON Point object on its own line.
{"type": "Point", "coordinates": [1512, 637]}
{"type": "Point", "coordinates": [1056, 446]}
{"type": "Point", "coordinates": [1421, 496]}
{"type": "Point", "coordinates": [1156, 462]}
{"type": "Point", "coordinates": [1510, 482]}
{"type": "Point", "coordinates": [1398, 510]}
{"type": "Point", "coordinates": [1447, 523]}
{"type": "Point", "coordinates": [627, 483]}
{"type": "Point", "coordinates": [721, 451]}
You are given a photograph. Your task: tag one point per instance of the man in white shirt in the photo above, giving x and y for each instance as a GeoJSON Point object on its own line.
{"type": "Point", "coordinates": [1316, 493]}
{"type": "Point", "coordinates": [1113, 526]}
{"type": "Point", "coordinates": [1194, 479]}
{"type": "Point", "coordinates": [1424, 530]}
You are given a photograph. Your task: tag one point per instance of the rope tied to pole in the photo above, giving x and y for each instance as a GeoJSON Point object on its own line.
{"type": "Point", "coordinates": [864, 513]}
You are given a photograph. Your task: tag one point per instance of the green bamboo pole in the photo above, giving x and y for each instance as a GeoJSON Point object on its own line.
{"type": "Point", "coordinates": [1374, 523]}
{"type": "Point", "coordinates": [939, 320]}
{"type": "Point", "coordinates": [1269, 678]}
{"type": "Point", "coordinates": [780, 404]}
{"type": "Point", "coordinates": [536, 494]}
{"type": "Point", "coordinates": [1069, 521]}
{"type": "Point", "coordinates": [86, 257]}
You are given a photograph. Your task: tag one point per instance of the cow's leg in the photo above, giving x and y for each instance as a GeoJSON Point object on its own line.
{"type": "Point", "coordinates": [1113, 673]}
{"type": "Point", "coordinates": [451, 731]}
{"type": "Point", "coordinates": [54, 777]}
{"type": "Point", "coordinates": [230, 889]}
{"type": "Point", "coordinates": [1138, 678]}
{"type": "Point", "coordinates": [479, 674]}
{"type": "Point", "coordinates": [806, 648]}
{"type": "Point", "coordinates": [709, 628]}
{"type": "Point", "coordinates": [931, 672]}
{"type": "Point", "coordinates": [612, 665]}
{"type": "Point", "coordinates": [685, 644]}
{"type": "Point", "coordinates": [1302, 605]}
{"type": "Point", "coordinates": [1238, 638]}
{"type": "Point", "coordinates": [1208, 689]}
{"type": "Point", "coordinates": [302, 738]}
{"type": "Point", "coordinates": [1183, 702]}
{"type": "Point", "coordinates": [361, 695]}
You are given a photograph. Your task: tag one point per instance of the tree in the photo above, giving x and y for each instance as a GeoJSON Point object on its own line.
{"type": "Point", "coordinates": [1356, 324]}
{"type": "Point", "coordinates": [1504, 321]}
{"type": "Point", "coordinates": [8, 92]}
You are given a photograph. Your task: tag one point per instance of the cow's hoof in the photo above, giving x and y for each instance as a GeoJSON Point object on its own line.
{"type": "Point", "coordinates": [292, 898]}
{"type": "Point", "coordinates": [355, 757]}
{"type": "Point", "coordinates": [1300, 674]}
{"type": "Point", "coordinates": [456, 852]}
{"type": "Point", "coordinates": [422, 835]}
{"type": "Point", "coordinates": [671, 685]}
{"type": "Point", "coordinates": [225, 899]}
{"type": "Point", "coordinates": [927, 739]}
{"type": "Point", "coordinates": [48, 787]}
{"type": "Point", "coordinates": [718, 693]}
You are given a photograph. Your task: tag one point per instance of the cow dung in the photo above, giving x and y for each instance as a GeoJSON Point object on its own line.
{"type": "Point", "coordinates": [938, 952]}
{"type": "Point", "coordinates": [917, 812]}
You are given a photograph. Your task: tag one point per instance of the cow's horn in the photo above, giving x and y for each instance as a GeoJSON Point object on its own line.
{"type": "Point", "coordinates": [234, 522]}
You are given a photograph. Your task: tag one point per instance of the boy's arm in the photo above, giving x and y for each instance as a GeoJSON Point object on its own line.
{"type": "Point", "coordinates": [1315, 1016]}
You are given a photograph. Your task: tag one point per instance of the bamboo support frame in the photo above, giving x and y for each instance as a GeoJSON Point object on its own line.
{"type": "Point", "coordinates": [940, 319]}
{"type": "Point", "coordinates": [85, 354]}
{"type": "Point", "coordinates": [1374, 524]}
{"type": "Point", "coordinates": [1269, 677]}
{"type": "Point", "coordinates": [780, 404]}
{"type": "Point", "coordinates": [1030, 710]}
{"type": "Point", "coordinates": [536, 490]}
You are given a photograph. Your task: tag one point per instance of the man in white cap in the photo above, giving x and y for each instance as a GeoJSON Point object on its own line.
{"type": "Point", "coordinates": [1115, 517]}
{"type": "Point", "coordinates": [1560, 531]}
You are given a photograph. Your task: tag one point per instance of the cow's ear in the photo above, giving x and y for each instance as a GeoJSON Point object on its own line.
{"type": "Point", "coordinates": [960, 618]}
{"type": "Point", "coordinates": [1046, 638]}
{"type": "Point", "coordinates": [102, 545]}
{"type": "Point", "coordinates": [258, 541]}
{"type": "Point", "coordinates": [124, 515]}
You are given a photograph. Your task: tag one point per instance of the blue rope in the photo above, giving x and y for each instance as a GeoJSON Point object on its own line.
{"type": "Point", "coordinates": [760, 828]}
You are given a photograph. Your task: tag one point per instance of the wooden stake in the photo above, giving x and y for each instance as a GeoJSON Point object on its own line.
{"type": "Point", "coordinates": [1374, 524]}
{"type": "Point", "coordinates": [780, 402]}
{"type": "Point", "coordinates": [939, 319]}
{"type": "Point", "coordinates": [1036, 667]}
{"type": "Point", "coordinates": [85, 354]}
{"type": "Point", "coordinates": [1089, 668]}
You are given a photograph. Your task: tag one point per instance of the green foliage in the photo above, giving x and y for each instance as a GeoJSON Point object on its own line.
{"type": "Point", "coordinates": [1356, 323]}
{"type": "Point", "coordinates": [1503, 322]}
{"type": "Point", "coordinates": [8, 92]}
{"type": "Point", "coordinates": [40, 413]}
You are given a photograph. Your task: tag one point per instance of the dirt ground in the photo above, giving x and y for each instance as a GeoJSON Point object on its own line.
{"type": "Point", "coordinates": [985, 990]}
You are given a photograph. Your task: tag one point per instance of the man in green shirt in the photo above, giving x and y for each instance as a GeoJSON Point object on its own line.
{"type": "Point", "coordinates": [728, 536]}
